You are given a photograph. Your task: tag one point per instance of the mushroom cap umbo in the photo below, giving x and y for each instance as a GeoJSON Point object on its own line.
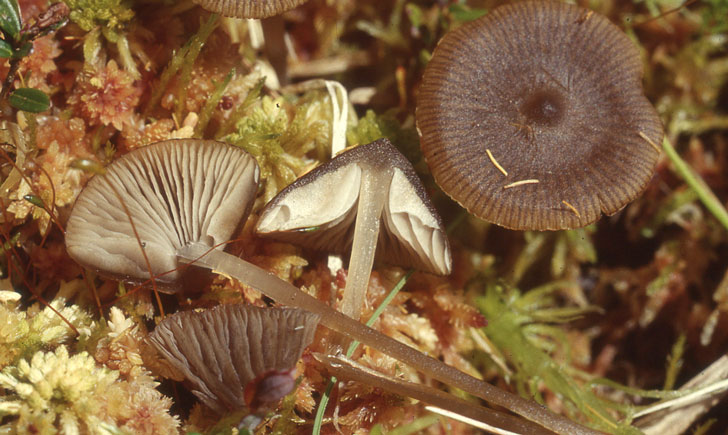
{"type": "Point", "coordinates": [249, 8]}
{"type": "Point", "coordinates": [176, 192]}
{"type": "Point", "coordinates": [223, 350]}
{"type": "Point", "coordinates": [549, 94]}
{"type": "Point", "coordinates": [318, 210]}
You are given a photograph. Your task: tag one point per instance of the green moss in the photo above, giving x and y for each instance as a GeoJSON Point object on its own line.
{"type": "Point", "coordinates": [675, 362]}
{"type": "Point", "coordinates": [212, 103]}
{"type": "Point", "coordinates": [417, 426]}
{"type": "Point", "coordinates": [104, 17]}
{"type": "Point", "coordinates": [373, 126]}
{"type": "Point", "coordinates": [285, 136]}
{"type": "Point", "coordinates": [23, 333]}
{"type": "Point", "coordinates": [112, 16]}
{"type": "Point", "coordinates": [56, 392]}
{"type": "Point", "coordinates": [182, 61]}
{"type": "Point", "coordinates": [517, 324]}
{"type": "Point", "coordinates": [286, 415]}
{"type": "Point", "coordinates": [195, 47]}
{"type": "Point", "coordinates": [715, 16]}
{"type": "Point", "coordinates": [261, 134]}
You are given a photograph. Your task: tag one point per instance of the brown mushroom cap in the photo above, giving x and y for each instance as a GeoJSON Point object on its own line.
{"type": "Point", "coordinates": [224, 350]}
{"type": "Point", "coordinates": [549, 94]}
{"type": "Point", "coordinates": [249, 8]}
{"type": "Point", "coordinates": [176, 192]}
{"type": "Point", "coordinates": [318, 210]}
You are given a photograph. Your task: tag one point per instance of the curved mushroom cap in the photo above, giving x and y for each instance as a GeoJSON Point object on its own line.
{"type": "Point", "coordinates": [533, 117]}
{"type": "Point", "coordinates": [318, 210]}
{"type": "Point", "coordinates": [223, 350]}
{"type": "Point", "coordinates": [176, 192]}
{"type": "Point", "coordinates": [249, 8]}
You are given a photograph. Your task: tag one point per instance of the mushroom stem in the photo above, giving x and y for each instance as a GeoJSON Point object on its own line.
{"type": "Point", "coordinates": [274, 32]}
{"type": "Point", "coordinates": [373, 193]}
{"type": "Point", "coordinates": [287, 294]}
{"type": "Point", "coordinates": [344, 368]}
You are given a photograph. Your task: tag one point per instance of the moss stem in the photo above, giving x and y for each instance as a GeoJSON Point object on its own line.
{"type": "Point", "coordinates": [345, 368]}
{"type": "Point", "coordinates": [706, 196]}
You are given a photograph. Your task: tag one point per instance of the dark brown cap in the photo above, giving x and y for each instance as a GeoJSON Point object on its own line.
{"type": "Point", "coordinates": [249, 8]}
{"type": "Point", "coordinates": [533, 117]}
{"type": "Point", "coordinates": [233, 350]}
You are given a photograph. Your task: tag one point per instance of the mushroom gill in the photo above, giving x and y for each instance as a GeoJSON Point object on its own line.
{"type": "Point", "coordinates": [228, 352]}
{"type": "Point", "coordinates": [249, 8]}
{"type": "Point", "coordinates": [178, 192]}
{"type": "Point", "coordinates": [340, 205]}
{"type": "Point", "coordinates": [533, 117]}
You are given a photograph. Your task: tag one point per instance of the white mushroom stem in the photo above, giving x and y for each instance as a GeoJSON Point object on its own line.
{"type": "Point", "coordinates": [287, 294]}
{"type": "Point", "coordinates": [373, 192]}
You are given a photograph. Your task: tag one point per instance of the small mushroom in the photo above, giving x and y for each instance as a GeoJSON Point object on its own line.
{"type": "Point", "coordinates": [249, 8]}
{"type": "Point", "coordinates": [533, 117]}
{"type": "Point", "coordinates": [236, 356]}
{"type": "Point", "coordinates": [175, 192]}
{"type": "Point", "coordinates": [181, 195]}
{"type": "Point", "coordinates": [339, 206]}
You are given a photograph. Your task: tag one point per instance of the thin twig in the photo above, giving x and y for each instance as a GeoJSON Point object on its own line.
{"type": "Point", "coordinates": [571, 207]}
{"type": "Point", "coordinates": [520, 183]}
{"type": "Point", "coordinates": [495, 162]}
{"type": "Point", "coordinates": [649, 141]}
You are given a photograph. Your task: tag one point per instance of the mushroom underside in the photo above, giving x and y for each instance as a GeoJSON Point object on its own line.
{"type": "Point", "coordinates": [222, 350]}
{"type": "Point", "coordinates": [249, 8]}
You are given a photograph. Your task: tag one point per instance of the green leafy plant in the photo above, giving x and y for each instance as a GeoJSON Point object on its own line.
{"type": "Point", "coordinates": [524, 325]}
{"type": "Point", "coordinates": [16, 43]}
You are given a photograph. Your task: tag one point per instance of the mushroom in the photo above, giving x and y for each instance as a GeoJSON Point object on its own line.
{"type": "Point", "coordinates": [173, 201]}
{"type": "Point", "coordinates": [249, 8]}
{"type": "Point", "coordinates": [533, 117]}
{"type": "Point", "coordinates": [236, 356]}
{"type": "Point", "coordinates": [175, 192]}
{"type": "Point", "coordinates": [273, 26]}
{"type": "Point", "coordinates": [339, 206]}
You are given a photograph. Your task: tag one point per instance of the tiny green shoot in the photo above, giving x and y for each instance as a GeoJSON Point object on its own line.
{"type": "Point", "coordinates": [706, 196]}
{"type": "Point", "coordinates": [318, 421]}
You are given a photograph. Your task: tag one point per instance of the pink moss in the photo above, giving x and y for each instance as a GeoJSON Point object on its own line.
{"type": "Point", "coordinates": [105, 95]}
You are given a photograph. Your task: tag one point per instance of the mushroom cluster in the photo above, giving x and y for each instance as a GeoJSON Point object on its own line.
{"type": "Point", "coordinates": [533, 117]}
{"type": "Point", "coordinates": [179, 201]}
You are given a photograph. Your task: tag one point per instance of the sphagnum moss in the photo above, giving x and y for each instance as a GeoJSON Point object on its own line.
{"type": "Point", "coordinates": [56, 391]}
{"type": "Point", "coordinates": [378, 52]}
